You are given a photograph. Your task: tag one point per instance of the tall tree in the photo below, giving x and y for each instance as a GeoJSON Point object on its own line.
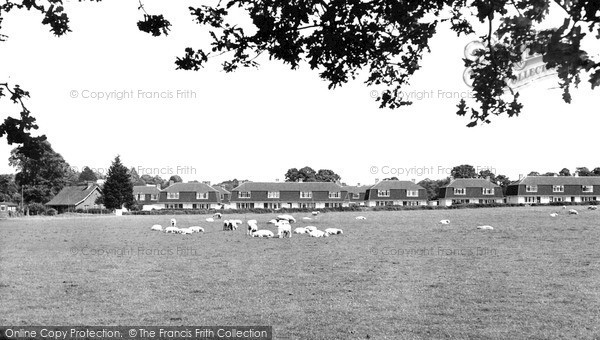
{"type": "Point", "coordinates": [596, 171]}
{"type": "Point", "coordinates": [550, 174]}
{"type": "Point", "coordinates": [503, 181]}
{"type": "Point", "coordinates": [488, 173]}
{"type": "Point", "coordinates": [42, 177]}
{"type": "Point", "coordinates": [584, 171]}
{"type": "Point", "coordinates": [432, 187]}
{"type": "Point", "coordinates": [326, 175]}
{"type": "Point", "coordinates": [533, 173]}
{"type": "Point", "coordinates": [463, 171]}
{"type": "Point", "coordinates": [135, 177]}
{"type": "Point", "coordinates": [306, 174]}
{"type": "Point", "coordinates": [175, 179]}
{"type": "Point", "coordinates": [118, 188]}
{"type": "Point", "coordinates": [87, 175]}
{"type": "Point", "coordinates": [564, 172]}
{"type": "Point", "coordinates": [8, 188]}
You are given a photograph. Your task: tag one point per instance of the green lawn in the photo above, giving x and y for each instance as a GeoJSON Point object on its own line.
{"type": "Point", "coordinates": [396, 275]}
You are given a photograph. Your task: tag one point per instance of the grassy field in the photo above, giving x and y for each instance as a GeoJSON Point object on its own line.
{"type": "Point", "coordinates": [396, 275]}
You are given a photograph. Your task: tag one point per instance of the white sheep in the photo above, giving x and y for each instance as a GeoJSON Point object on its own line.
{"type": "Point", "coordinates": [263, 233]}
{"type": "Point", "coordinates": [573, 212]}
{"type": "Point", "coordinates": [554, 214]}
{"type": "Point", "coordinates": [289, 218]}
{"type": "Point", "coordinates": [234, 224]}
{"type": "Point", "coordinates": [315, 213]}
{"type": "Point", "coordinates": [284, 229]}
{"type": "Point", "coordinates": [157, 227]}
{"type": "Point", "coordinates": [173, 222]}
{"type": "Point", "coordinates": [273, 221]}
{"type": "Point", "coordinates": [252, 222]}
{"type": "Point", "coordinates": [361, 218]}
{"type": "Point", "coordinates": [300, 231]}
{"type": "Point", "coordinates": [196, 229]}
{"type": "Point", "coordinates": [172, 230]}
{"type": "Point", "coordinates": [252, 227]}
{"type": "Point", "coordinates": [236, 221]}
{"type": "Point", "coordinates": [564, 207]}
{"type": "Point", "coordinates": [485, 227]}
{"type": "Point", "coordinates": [210, 219]}
{"type": "Point", "coordinates": [310, 228]}
{"type": "Point", "coordinates": [445, 222]}
{"type": "Point", "coordinates": [592, 207]}
{"type": "Point", "coordinates": [228, 225]}
{"type": "Point", "coordinates": [334, 231]}
{"type": "Point", "coordinates": [306, 218]}
{"type": "Point", "coordinates": [318, 233]}
{"type": "Point", "coordinates": [217, 215]}
{"type": "Point", "coordinates": [185, 231]}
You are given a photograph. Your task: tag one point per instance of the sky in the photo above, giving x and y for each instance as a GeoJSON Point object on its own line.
{"type": "Point", "coordinates": [255, 124]}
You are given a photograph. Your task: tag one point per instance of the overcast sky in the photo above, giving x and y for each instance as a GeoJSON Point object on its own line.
{"type": "Point", "coordinates": [256, 124]}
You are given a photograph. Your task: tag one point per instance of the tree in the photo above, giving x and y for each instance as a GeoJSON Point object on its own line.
{"type": "Point", "coordinates": [175, 179]}
{"type": "Point", "coordinates": [583, 171]}
{"type": "Point", "coordinates": [8, 188]}
{"type": "Point", "coordinates": [564, 172]}
{"type": "Point", "coordinates": [118, 188]}
{"type": "Point", "coordinates": [394, 178]}
{"type": "Point", "coordinates": [503, 181]}
{"type": "Point", "coordinates": [87, 175]}
{"type": "Point", "coordinates": [432, 187]}
{"type": "Point", "coordinates": [533, 173]}
{"type": "Point", "coordinates": [463, 171]}
{"type": "Point", "coordinates": [325, 175]}
{"type": "Point", "coordinates": [550, 174]}
{"type": "Point", "coordinates": [135, 178]}
{"type": "Point", "coordinates": [596, 171]}
{"type": "Point", "coordinates": [42, 177]}
{"type": "Point", "coordinates": [386, 39]}
{"type": "Point", "coordinates": [488, 173]}
{"type": "Point", "coordinates": [306, 174]}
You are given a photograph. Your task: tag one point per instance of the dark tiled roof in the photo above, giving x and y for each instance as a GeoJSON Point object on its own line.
{"type": "Point", "coordinates": [189, 187]}
{"type": "Point", "coordinates": [357, 189]}
{"type": "Point", "coordinates": [560, 180]}
{"type": "Point", "coordinates": [471, 183]}
{"type": "Point", "coordinates": [145, 190]}
{"type": "Point", "coordinates": [289, 186]}
{"type": "Point", "coordinates": [394, 184]}
{"type": "Point", "coordinates": [73, 195]}
{"type": "Point", "coordinates": [221, 190]}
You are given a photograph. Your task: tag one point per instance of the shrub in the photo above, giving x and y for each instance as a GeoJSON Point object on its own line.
{"type": "Point", "coordinates": [51, 212]}
{"type": "Point", "coordinates": [36, 208]}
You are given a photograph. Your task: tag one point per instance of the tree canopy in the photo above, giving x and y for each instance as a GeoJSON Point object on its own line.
{"type": "Point", "coordinates": [118, 188]}
{"type": "Point", "coordinates": [308, 174]}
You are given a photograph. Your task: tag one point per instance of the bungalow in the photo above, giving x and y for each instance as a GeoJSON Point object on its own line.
{"type": "Point", "coordinates": [395, 192]}
{"type": "Point", "coordinates": [546, 189]}
{"type": "Point", "coordinates": [277, 195]}
{"type": "Point", "coordinates": [357, 194]}
{"type": "Point", "coordinates": [76, 197]}
{"type": "Point", "coordinates": [147, 196]}
{"type": "Point", "coordinates": [191, 195]}
{"type": "Point", "coordinates": [470, 191]}
{"type": "Point", "coordinates": [8, 206]}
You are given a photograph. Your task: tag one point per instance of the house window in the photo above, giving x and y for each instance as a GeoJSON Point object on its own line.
{"type": "Point", "coordinates": [140, 197]}
{"type": "Point", "coordinates": [222, 197]}
{"type": "Point", "coordinates": [531, 188]}
{"type": "Point", "coordinates": [154, 197]}
{"type": "Point", "coordinates": [333, 205]}
{"type": "Point", "coordinates": [460, 191]}
{"type": "Point", "coordinates": [172, 195]}
{"type": "Point", "coordinates": [383, 193]}
{"type": "Point", "coordinates": [272, 205]}
{"type": "Point", "coordinates": [244, 194]}
{"type": "Point", "coordinates": [556, 199]}
{"type": "Point", "coordinates": [306, 194]}
{"type": "Point", "coordinates": [307, 205]}
{"type": "Point", "coordinates": [383, 203]}
{"type": "Point", "coordinates": [460, 201]}
{"type": "Point", "coordinates": [488, 191]}
{"type": "Point", "coordinates": [245, 205]}
{"type": "Point", "coordinates": [202, 195]}
{"type": "Point", "coordinates": [529, 199]}
{"type": "Point", "coordinates": [412, 193]}
{"type": "Point", "coordinates": [558, 188]}
{"type": "Point", "coordinates": [273, 194]}
{"type": "Point", "coordinates": [355, 196]}
{"type": "Point", "coordinates": [587, 188]}
{"type": "Point", "coordinates": [410, 203]}
{"type": "Point", "coordinates": [334, 194]}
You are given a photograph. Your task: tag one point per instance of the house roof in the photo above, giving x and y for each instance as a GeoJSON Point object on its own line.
{"type": "Point", "coordinates": [9, 204]}
{"type": "Point", "coordinates": [189, 187]}
{"type": "Point", "coordinates": [73, 195]}
{"type": "Point", "coordinates": [395, 184]}
{"type": "Point", "coordinates": [471, 183]}
{"type": "Point", "coordinates": [357, 189]}
{"type": "Point", "coordinates": [289, 186]}
{"type": "Point", "coordinates": [145, 190]}
{"type": "Point", "coordinates": [560, 180]}
{"type": "Point", "coordinates": [221, 190]}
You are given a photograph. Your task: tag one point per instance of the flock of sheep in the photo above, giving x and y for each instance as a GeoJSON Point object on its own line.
{"type": "Point", "coordinates": [281, 222]}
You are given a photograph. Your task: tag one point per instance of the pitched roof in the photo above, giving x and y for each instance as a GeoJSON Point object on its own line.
{"type": "Point", "coordinates": [189, 187]}
{"type": "Point", "coordinates": [73, 195]}
{"type": "Point", "coordinates": [560, 180]}
{"type": "Point", "coordinates": [395, 184]}
{"type": "Point", "coordinates": [357, 189]}
{"type": "Point", "coordinates": [221, 190]}
{"type": "Point", "coordinates": [471, 183]}
{"type": "Point", "coordinates": [289, 186]}
{"type": "Point", "coordinates": [145, 190]}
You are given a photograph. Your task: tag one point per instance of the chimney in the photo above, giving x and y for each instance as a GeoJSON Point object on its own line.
{"type": "Point", "coordinates": [357, 184]}
{"type": "Point", "coordinates": [376, 180]}
{"type": "Point", "coordinates": [576, 174]}
{"type": "Point", "coordinates": [276, 179]}
{"type": "Point", "coordinates": [487, 178]}
{"type": "Point", "coordinates": [414, 180]}
{"type": "Point", "coordinates": [520, 177]}
{"type": "Point", "coordinates": [299, 180]}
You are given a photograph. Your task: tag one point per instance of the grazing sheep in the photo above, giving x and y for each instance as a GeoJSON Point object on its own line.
{"type": "Point", "coordinates": [210, 219]}
{"type": "Point", "coordinates": [172, 230]}
{"type": "Point", "coordinates": [315, 213]}
{"type": "Point", "coordinates": [252, 227]}
{"type": "Point", "coordinates": [361, 218]}
{"type": "Point", "coordinates": [300, 231]}
{"type": "Point", "coordinates": [186, 231]}
{"type": "Point", "coordinates": [218, 215]}
{"type": "Point", "coordinates": [273, 221]}
{"type": "Point", "coordinates": [173, 222]}
{"type": "Point", "coordinates": [289, 218]}
{"type": "Point", "coordinates": [310, 228]}
{"type": "Point", "coordinates": [157, 227]}
{"type": "Point", "coordinates": [554, 214]}
{"type": "Point", "coordinates": [306, 218]}
{"type": "Point", "coordinates": [252, 222]}
{"type": "Point", "coordinates": [445, 222]}
{"type": "Point", "coordinates": [196, 229]}
{"type": "Point", "coordinates": [234, 224]}
{"type": "Point", "coordinates": [573, 212]}
{"type": "Point", "coordinates": [592, 207]}
{"type": "Point", "coordinates": [263, 233]}
{"type": "Point", "coordinates": [284, 229]}
{"type": "Point", "coordinates": [485, 227]}
{"type": "Point", "coordinates": [334, 231]}
{"type": "Point", "coordinates": [227, 225]}
{"type": "Point", "coordinates": [318, 233]}
{"type": "Point", "coordinates": [564, 207]}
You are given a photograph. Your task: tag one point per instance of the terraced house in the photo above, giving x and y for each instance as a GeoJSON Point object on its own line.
{"type": "Point", "coordinates": [277, 195]}
{"type": "Point", "coordinates": [394, 192]}
{"type": "Point", "coordinates": [357, 194]}
{"type": "Point", "coordinates": [470, 191]}
{"type": "Point", "coordinates": [546, 189]}
{"type": "Point", "coordinates": [192, 195]}
{"type": "Point", "coordinates": [147, 196]}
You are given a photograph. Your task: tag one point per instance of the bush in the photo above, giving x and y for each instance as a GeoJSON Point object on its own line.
{"type": "Point", "coordinates": [94, 211]}
{"type": "Point", "coordinates": [36, 209]}
{"type": "Point", "coordinates": [51, 212]}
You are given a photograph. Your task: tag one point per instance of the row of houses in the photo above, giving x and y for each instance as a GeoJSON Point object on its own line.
{"type": "Point", "coordinates": [319, 195]}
